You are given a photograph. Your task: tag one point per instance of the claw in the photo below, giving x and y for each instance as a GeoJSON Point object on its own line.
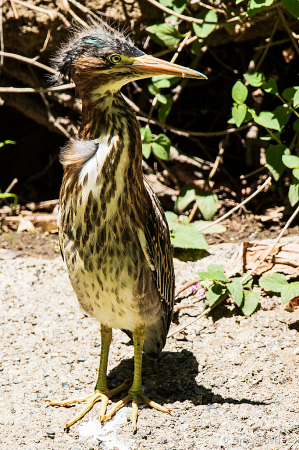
{"type": "Point", "coordinates": [91, 399]}
{"type": "Point", "coordinates": [136, 399]}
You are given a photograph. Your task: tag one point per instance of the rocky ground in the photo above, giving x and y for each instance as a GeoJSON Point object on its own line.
{"type": "Point", "coordinates": [230, 381]}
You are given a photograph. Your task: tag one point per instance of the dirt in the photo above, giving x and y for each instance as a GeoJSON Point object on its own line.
{"type": "Point", "coordinates": [230, 381]}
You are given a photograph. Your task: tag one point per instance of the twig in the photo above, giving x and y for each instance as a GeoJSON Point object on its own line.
{"type": "Point", "coordinates": [285, 24]}
{"type": "Point", "coordinates": [273, 245]}
{"type": "Point", "coordinates": [181, 16]}
{"type": "Point", "coordinates": [186, 286]}
{"type": "Point", "coordinates": [78, 19]}
{"type": "Point", "coordinates": [1, 35]}
{"type": "Point", "coordinates": [268, 45]}
{"type": "Point", "coordinates": [53, 14]}
{"type": "Point", "coordinates": [181, 46]}
{"type": "Point", "coordinates": [222, 63]}
{"type": "Point", "coordinates": [174, 47]}
{"type": "Point", "coordinates": [15, 12]}
{"type": "Point", "coordinates": [254, 172]}
{"type": "Point", "coordinates": [268, 180]}
{"type": "Point", "coordinates": [272, 44]}
{"type": "Point", "coordinates": [206, 311]}
{"type": "Point", "coordinates": [217, 161]}
{"type": "Point", "coordinates": [37, 91]}
{"type": "Point", "coordinates": [192, 213]}
{"type": "Point", "coordinates": [46, 41]}
{"type": "Point", "coordinates": [188, 133]}
{"type": "Point", "coordinates": [179, 307]}
{"type": "Point", "coordinates": [29, 61]}
{"type": "Point", "coordinates": [12, 184]}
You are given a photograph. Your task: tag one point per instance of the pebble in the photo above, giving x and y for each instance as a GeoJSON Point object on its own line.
{"type": "Point", "coordinates": [50, 433]}
{"type": "Point", "coordinates": [42, 395]}
{"type": "Point", "coordinates": [81, 358]}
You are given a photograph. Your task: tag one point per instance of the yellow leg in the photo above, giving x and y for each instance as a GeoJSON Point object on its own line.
{"type": "Point", "coordinates": [101, 391]}
{"type": "Point", "coordinates": [135, 393]}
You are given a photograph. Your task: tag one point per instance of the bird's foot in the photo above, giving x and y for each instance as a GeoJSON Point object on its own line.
{"type": "Point", "coordinates": [91, 399]}
{"type": "Point", "coordinates": [137, 398]}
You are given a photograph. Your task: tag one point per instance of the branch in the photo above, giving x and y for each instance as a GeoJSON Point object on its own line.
{"type": "Point", "coordinates": [38, 91]}
{"type": "Point", "coordinates": [181, 16]}
{"type": "Point", "coordinates": [29, 61]}
{"type": "Point", "coordinates": [268, 180]}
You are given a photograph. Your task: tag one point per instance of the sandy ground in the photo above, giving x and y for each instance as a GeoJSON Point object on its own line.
{"type": "Point", "coordinates": [230, 381]}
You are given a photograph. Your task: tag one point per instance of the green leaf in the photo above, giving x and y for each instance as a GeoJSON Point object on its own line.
{"type": "Point", "coordinates": [187, 195]}
{"type": "Point", "coordinates": [185, 236]}
{"type": "Point", "coordinates": [164, 34]}
{"type": "Point", "coordinates": [291, 161]}
{"type": "Point", "coordinates": [164, 110]}
{"type": "Point", "coordinates": [296, 173]}
{"type": "Point", "coordinates": [282, 114]}
{"type": "Point", "coordinates": [296, 126]}
{"type": "Point", "coordinates": [274, 282]}
{"type": "Point", "coordinates": [207, 204]}
{"type": "Point", "coordinates": [6, 142]}
{"type": "Point", "coordinates": [251, 301]}
{"type": "Point", "coordinates": [152, 89]}
{"type": "Point", "coordinates": [294, 192]}
{"type": "Point", "coordinates": [216, 272]}
{"type": "Point", "coordinates": [288, 93]}
{"type": "Point", "coordinates": [172, 219]}
{"type": "Point", "coordinates": [213, 293]}
{"type": "Point", "coordinates": [239, 113]}
{"type": "Point", "coordinates": [146, 134]}
{"type": "Point", "coordinates": [267, 120]}
{"type": "Point", "coordinates": [292, 6]}
{"type": "Point", "coordinates": [270, 86]}
{"type": "Point", "coordinates": [9, 195]}
{"type": "Point", "coordinates": [205, 29]}
{"type": "Point", "coordinates": [255, 79]}
{"type": "Point", "coordinates": [296, 99]}
{"type": "Point", "coordinates": [247, 284]}
{"type": "Point", "coordinates": [239, 92]}
{"type": "Point", "coordinates": [196, 47]}
{"type": "Point", "coordinates": [161, 98]}
{"type": "Point", "coordinates": [146, 150]}
{"type": "Point", "coordinates": [289, 291]}
{"type": "Point", "coordinates": [255, 6]}
{"type": "Point", "coordinates": [217, 228]}
{"type": "Point", "coordinates": [164, 81]}
{"type": "Point", "coordinates": [176, 5]}
{"type": "Point", "coordinates": [274, 160]}
{"type": "Point", "coordinates": [235, 289]}
{"type": "Point", "coordinates": [161, 146]}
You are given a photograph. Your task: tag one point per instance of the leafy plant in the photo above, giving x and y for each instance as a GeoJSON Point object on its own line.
{"type": "Point", "coordinates": [278, 156]}
{"type": "Point", "coordinates": [206, 201]}
{"type": "Point", "coordinates": [159, 145]}
{"type": "Point", "coordinates": [278, 283]}
{"type": "Point", "coordinates": [184, 235]}
{"type": "Point", "coordinates": [219, 286]}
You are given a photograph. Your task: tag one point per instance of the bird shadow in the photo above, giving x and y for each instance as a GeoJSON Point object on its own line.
{"type": "Point", "coordinates": [171, 378]}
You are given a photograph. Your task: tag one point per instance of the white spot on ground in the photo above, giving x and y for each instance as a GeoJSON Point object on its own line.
{"type": "Point", "coordinates": [107, 433]}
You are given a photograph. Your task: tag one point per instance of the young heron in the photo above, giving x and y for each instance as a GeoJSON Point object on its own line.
{"type": "Point", "coordinates": [113, 232]}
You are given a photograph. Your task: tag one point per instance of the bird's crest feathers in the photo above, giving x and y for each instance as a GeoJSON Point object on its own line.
{"type": "Point", "coordinates": [97, 35]}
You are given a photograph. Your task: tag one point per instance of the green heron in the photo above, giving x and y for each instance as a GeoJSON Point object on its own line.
{"type": "Point", "coordinates": [113, 232]}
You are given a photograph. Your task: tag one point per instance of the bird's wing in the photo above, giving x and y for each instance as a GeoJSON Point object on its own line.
{"type": "Point", "coordinates": [155, 243]}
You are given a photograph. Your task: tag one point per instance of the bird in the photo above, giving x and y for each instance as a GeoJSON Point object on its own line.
{"type": "Point", "coordinates": [113, 232]}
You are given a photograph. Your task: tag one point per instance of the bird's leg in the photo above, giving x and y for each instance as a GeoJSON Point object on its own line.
{"type": "Point", "coordinates": [135, 392]}
{"type": "Point", "coordinates": [101, 391]}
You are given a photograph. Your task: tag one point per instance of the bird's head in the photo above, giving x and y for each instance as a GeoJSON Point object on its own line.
{"type": "Point", "coordinates": [100, 60]}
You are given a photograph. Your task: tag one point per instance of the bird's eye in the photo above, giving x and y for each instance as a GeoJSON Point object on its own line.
{"type": "Point", "coordinates": [114, 59]}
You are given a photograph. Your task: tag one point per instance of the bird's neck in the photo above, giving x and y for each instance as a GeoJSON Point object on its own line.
{"type": "Point", "coordinates": [112, 168]}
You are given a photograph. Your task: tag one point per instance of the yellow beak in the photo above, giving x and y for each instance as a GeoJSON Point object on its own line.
{"type": "Point", "coordinates": [153, 66]}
